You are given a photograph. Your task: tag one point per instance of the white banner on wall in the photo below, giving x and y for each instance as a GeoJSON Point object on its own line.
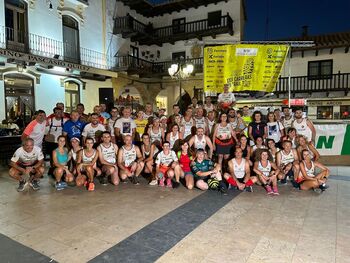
{"type": "Point", "coordinates": [330, 138]}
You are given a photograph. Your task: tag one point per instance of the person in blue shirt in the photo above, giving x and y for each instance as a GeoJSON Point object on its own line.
{"type": "Point", "coordinates": [73, 127]}
{"type": "Point", "coordinates": [204, 170]}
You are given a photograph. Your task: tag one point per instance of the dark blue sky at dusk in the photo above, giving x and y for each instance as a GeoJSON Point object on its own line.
{"type": "Point", "coordinates": [286, 18]}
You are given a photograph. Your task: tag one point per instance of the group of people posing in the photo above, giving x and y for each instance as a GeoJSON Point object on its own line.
{"type": "Point", "coordinates": [208, 147]}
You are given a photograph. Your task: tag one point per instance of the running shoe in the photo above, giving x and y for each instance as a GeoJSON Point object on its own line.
{"type": "Point", "coordinates": [134, 180]}
{"type": "Point", "coordinates": [64, 184]}
{"type": "Point", "coordinates": [153, 182]}
{"type": "Point", "coordinates": [91, 187]}
{"type": "Point", "coordinates": [34, 184]}
{"type": "Point", "coordinates": [275, 191]}
{"type": "Point", "coordinates": [124, 181]}
{"type": "Point", "coordinates": [59, 186]}
{"type": "Point", "coordinates": [269, 190]}
{"type": "Point", "coordinates": [21, 186]}
{"type": "Point", "coordinates": [248, 189]}
{"type": "Point", "coordinates": [168, 183]}
{"type": "Point", "coordinates": [161, 182]}
{"type": "Point", "coordinates": [176, 184]}
{"type": "Point", "coordinates": [323, 187]}
{"type": "Point", "coordinates": [283, 181]}
{"type": "Point", "coordinates": [223, 190]}
{"type": "Point", "coordinates": [104, 180]}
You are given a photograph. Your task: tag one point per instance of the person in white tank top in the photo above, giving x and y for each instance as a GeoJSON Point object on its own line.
{"type": "Point", "coordinates": [108, 152]}
{"type": "Point", "coordinates": [201, 121]}
{"type": "Point", "coordinates": [288, 161]}
{"type": "Point", "coordinates": [304, 145]}
{"type": "Point", "coordinates": [155, 132]}
{"type": "Point", "coordinates": [267, 172]}
{"type": "Point", "coordinates": [239, 172]}
{"type": "Point", "coordinates": [304, 126]}
{"type": "Point", "coordinates": [174, 136]}
{"type": "Point", "coordinates": [187, 123]}
{"type": "Point", "coordinates": [201, 141]}
{"type": "Point", "coordinates": [307, 178]}
{"type": "Point", "coordinates": [130, 161]}
{"type": "Point", "coordinates": [208, 106]}
{"type": "Point", "coordinates": [86, 163]}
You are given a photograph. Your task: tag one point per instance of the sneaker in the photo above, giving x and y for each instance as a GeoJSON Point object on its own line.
{"type": "Point", "coordinates": [275, 191]}
{"type": "Point", "coordinates": [323, 187]}
{"type": "Point", "coordinates": [124, 181]}
{"type": "Point", "coordinates": [134, 180]}
{"type": "Point", "coordinates": [153, 182]}
{"type": "Point", "coordinates": [104, 180]}
{"type": "Point", "coordinates": [168, 183]}
{"type": "Point", "coordinates": [59, 186]}
{"type": "Point", "coordinates": [223, 190]}
{"type": "Point", "coordinates": [34, 184]}
{"type": "Point", "coordinates": [161, 182]}
{"type": "Point", "coordinates": [269, 190]}
{"type": "Point", "coordinates": [64, 184]}
{"type": "Point", "coordinates": [176, 184]}
{"type": "Point", "coordinates": [21, 186]}
{"type": "Point", "coordinates": [283, 181]}
{"type": "Point", "coordinates": [248, 189]}
{"type": "Point", "coordinates": [91, 187]}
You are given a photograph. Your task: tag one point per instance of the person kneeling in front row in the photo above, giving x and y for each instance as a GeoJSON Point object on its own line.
{"type": "Point", "coordinates": [239, 175]}
{"type": "Point", "coordinates": [205, 171]}
{"type": "Point", "coordinates": [27, 165]}
{"type": "Point", "coordinates": [307, 178]}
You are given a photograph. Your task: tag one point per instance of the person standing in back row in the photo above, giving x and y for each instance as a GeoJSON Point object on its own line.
{"type": "Point", "coordinates": [226, 99]}
{"type": "Point", "coordinates": [304, 126]}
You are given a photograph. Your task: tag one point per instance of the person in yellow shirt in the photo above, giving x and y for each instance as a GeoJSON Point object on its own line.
{"type": "Point", "coordinates": [141, 124]}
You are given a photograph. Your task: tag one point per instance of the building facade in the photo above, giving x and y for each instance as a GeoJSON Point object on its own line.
{"type": "Point", "coordinates": [320, 76]}
{"type": "Point", "coordinates": [54, 51]}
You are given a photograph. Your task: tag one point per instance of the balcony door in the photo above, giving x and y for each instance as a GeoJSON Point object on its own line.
{"type": "Point", "coordinates": [16, 25]}
{"type": "Point", "coordinates": [71, 47]}
{"type": "Point", "coordinates": [179, 25]}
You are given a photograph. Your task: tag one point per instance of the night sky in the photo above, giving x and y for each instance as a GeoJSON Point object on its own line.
{"type": "Point", "coordinates": [286, 18]}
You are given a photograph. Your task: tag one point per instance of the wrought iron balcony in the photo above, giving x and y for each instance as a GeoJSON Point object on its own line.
{"type": "Point", "coordinates": [145, 68]}
{"type": "Point", "coordinates": [305, 84]}
{"type": "Point", "coordinates": [29, 43]}
{"type": "Point", "coordinates": [129, 27]}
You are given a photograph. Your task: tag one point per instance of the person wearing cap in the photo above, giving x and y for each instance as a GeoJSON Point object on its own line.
{"type": "Point", "coordinates": [166, 162]}
{"type": "Point", "coordinates": [226, 99]}
{"type": "Point", "coordinates": [164, 123]}
{"type": "Point", "coordinates": [75, 149]}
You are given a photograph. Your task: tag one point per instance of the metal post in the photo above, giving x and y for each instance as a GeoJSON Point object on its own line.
{"type": "Point", "coordinates": [289, 75]}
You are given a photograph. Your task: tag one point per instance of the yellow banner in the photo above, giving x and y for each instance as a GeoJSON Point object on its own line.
{"type": "Point", "coordinates": [244, 67]}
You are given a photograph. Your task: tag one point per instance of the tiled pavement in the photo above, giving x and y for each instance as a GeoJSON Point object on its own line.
{"type": "Point", "coordinates": [143, 224]}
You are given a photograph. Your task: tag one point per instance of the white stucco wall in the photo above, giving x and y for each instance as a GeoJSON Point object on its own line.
{"type": "Point", "coordinates": [233, 7]}
{"type": "Point", "coordinates": [299, 64]}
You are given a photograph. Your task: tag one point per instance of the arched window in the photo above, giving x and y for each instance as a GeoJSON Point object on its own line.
{"type": "Point", "coordinates": [19, 96]}
{"type": "Point", "coordinates": [16, 25]}
{"type": "Point", "coordinates": [72, 95]}
{"type": "Point", "coordinates": [71, 39]}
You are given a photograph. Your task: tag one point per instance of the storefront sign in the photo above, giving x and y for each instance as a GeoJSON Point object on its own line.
{"type": "Point", "coordinates": [244, 67]}
{"type": "Point", "coordinates": [53, 62]}
{"type": "Point", "coordinates": [329, 102]}
{"type": "Point", "coordinates": [295, 102]}
{"type": "Point", "coordinates": [333, 139]}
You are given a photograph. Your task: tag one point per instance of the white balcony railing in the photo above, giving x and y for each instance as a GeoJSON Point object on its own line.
{"type": "Point", "coordinates": [42, 46]}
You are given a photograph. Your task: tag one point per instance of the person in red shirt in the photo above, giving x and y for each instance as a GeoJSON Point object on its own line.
{"type": "Point", "coordinates": [60, 105]}
{"type": "Point", "coordinates": [183, 170]}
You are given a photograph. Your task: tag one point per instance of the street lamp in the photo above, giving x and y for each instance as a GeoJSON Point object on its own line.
{"type": "Point", "coordinates": [180, 72]}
